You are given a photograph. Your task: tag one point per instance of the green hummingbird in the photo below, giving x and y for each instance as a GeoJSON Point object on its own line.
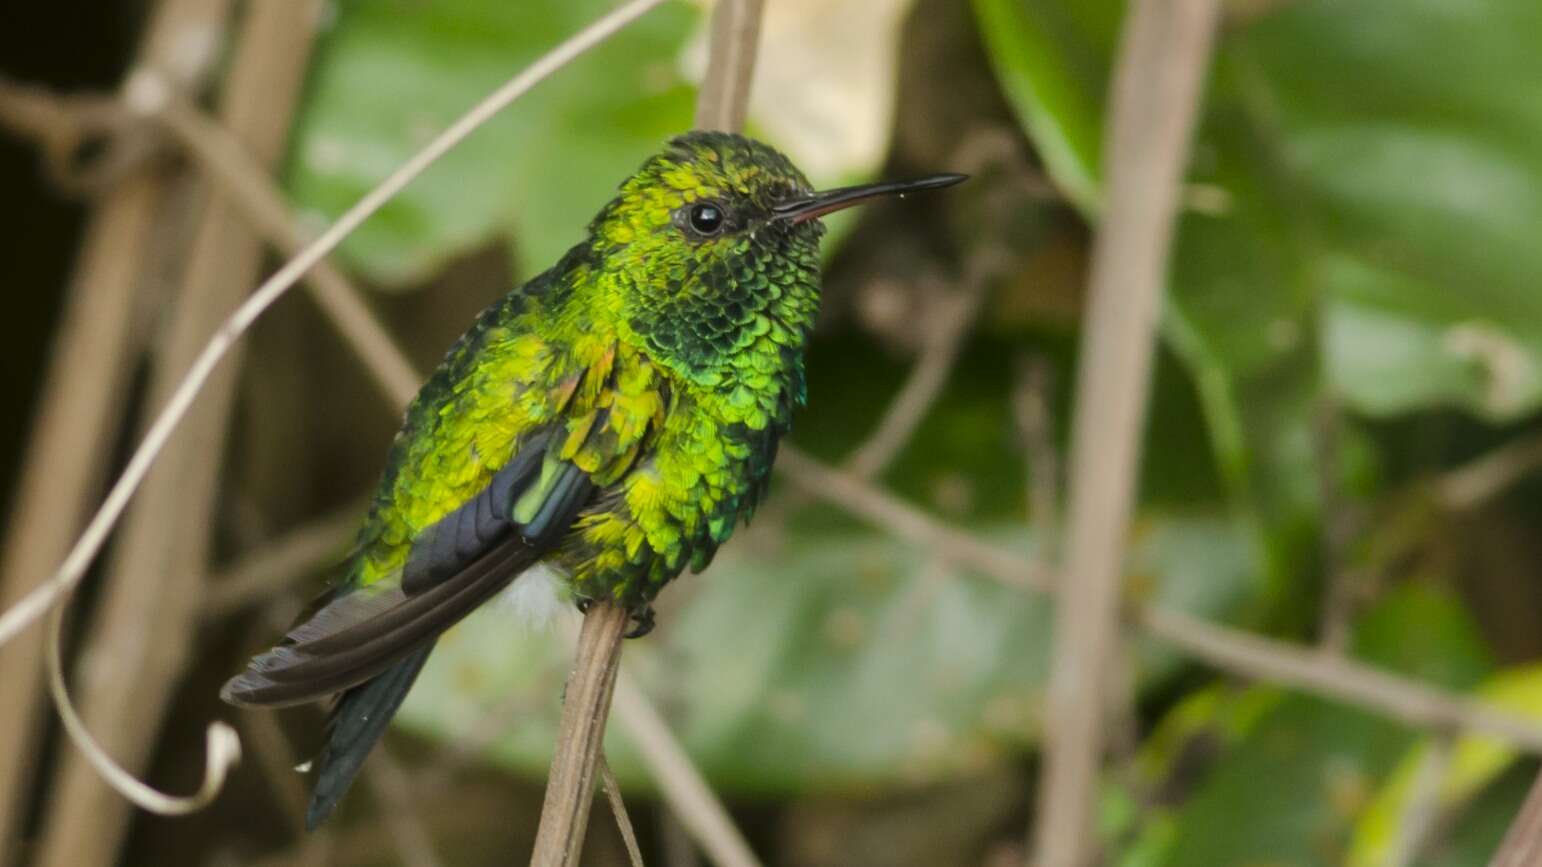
{"type": "Point", "coordinates": [608, 423]}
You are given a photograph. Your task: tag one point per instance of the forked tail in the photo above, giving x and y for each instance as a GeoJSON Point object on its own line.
{"type": "Point", "coordinates": [357, 721]}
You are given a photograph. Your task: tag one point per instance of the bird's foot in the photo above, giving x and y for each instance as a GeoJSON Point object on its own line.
{"type": "Point", "coordinates": [641, 618]}
{"type": "Point", "coordinates": [642, 621]}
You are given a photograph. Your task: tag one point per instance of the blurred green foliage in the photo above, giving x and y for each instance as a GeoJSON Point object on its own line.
{"type": "Point", "coordinates": [833, 663]}
{"type": "Point", "coordinates": [394, 74]}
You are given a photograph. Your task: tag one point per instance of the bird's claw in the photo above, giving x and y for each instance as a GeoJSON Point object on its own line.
{"type": "Point", "coordinates": [642, 621]}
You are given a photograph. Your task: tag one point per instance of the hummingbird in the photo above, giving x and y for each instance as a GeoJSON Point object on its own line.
{"type": "Point", "coordinates": [596, 431]}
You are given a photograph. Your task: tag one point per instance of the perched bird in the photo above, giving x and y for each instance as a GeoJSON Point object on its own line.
{"type": "Point", "coordinates": [608, 422]}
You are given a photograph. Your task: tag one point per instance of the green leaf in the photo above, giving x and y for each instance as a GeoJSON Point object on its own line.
{"type": "Point", "coordinates": [1051, 58]}
{"type": "Point", "coordinates": [833, 663]}
{"type": "Point", "coordinates": [1344, 172]}
{"type": "Point", "coordinates": [1474, 764]}
{"type": "Point", "coordinates": [1252, 776]}
{"type": "Point", "coordinates": [1409, 129]}
{"type": "Point", "coordinates": [1365, 195]}
{"type": "Point", "coordinates": [392, 73]}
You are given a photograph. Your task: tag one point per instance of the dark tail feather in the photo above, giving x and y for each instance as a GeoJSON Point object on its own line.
{"type": "Point", "coordinates": [357, 722]}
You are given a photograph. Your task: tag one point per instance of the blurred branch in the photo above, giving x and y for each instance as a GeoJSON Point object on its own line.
{"type": "Point", "coordinates": [1232, 650]}
{"type": "Point", "coordinates": [618, 808]}
{"type": "Point", "coordinates": [80, 407]}
{"type": "Point", "coordinates": [136, 645]}
{"type": "Point", "coordinates": [585, 707]}
{"type": "Point", "coordinates": [1409, 701]}
{"type": "Point", "coordinates": [1479, 481]}
{"type": "Point", "coordinates": [1423, 806]}
{"type": "Point", "coordinates": [389, 780]}
{"type": "Point", "coordinates": [1522, 845]}
{"type": "Point", "coordinates": [1032, 408]}
{"type": "Point", "coordinates": [64, 127]}
{"type": "Point", "coordinates": [1158, 80]}
{"type": "Point", "coordinates": [225, 160]}
{"type": "Point", "coordinates": [723, 100]}
{"type": "Point", "coordinates": [943, 335]}
{"type": "Point", "coordinates": [682, 785]}
{"type": "Point", "coordinates": [278, 563]}
{"type": "Point", "coordinates": [894, 515]}
{"type": "Point", "coordinates": [1339, 597]}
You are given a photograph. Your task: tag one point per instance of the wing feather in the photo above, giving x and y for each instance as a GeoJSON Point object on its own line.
{"type": "Point", "coordinates": [359, 634]}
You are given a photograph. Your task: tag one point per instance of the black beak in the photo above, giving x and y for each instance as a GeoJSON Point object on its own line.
{"type": "Point", "coordinates": [821, 203]}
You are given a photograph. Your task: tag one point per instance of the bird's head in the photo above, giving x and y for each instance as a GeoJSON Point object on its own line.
{"type": "Point", "coordinates": [714, 244]}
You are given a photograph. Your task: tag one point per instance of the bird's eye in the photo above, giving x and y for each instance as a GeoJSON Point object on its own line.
{"type": "Point", "coordinates": [706, 218]}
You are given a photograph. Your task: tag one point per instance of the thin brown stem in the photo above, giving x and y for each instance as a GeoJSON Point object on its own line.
{"type": "Point", "coordinates": [1159, 72]}
{"type": "Point", "coordinates": [81, 406]}
{"type": "Point", "coordinates": [618, 809]}
{"type": "Point", "coordinates": [1225, 648]}
{"type": "Point", "coordinates": [585, 708]}
{"type": "Point", "coordinates": [136, 645]}
{"type": "Point", "coordinates": [723, 100]}
{"type": "Point", "coordinates": [414, 846]}
{"type": "Point", "coordinates": [278, 564]}
{"type": "Point", "coordinates": [943, 338]}
{"type": "Point", "coordinates": [1475, 483]}
{"type": "Point", "coordinates": [684, 789]}
{"type": "Point", "coordinates": [1032, 405]}
{"type": "Point", "coordinates": [892, 514]}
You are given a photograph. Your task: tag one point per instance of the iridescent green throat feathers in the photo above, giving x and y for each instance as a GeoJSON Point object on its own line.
{"type": "Point", "coordinates": [612, 420]}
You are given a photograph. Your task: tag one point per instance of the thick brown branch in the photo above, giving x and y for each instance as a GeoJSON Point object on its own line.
{"type": "Point", "coordinates": [723, 100]}
{"type": "Point", "coordinates": [137, 644]}
{"type": "Point", "coordinates": [1161, 66]}
{"type": "Point", "coordinates": [81, 406]}
{"type": "Point", "coordinates": [585, 708]}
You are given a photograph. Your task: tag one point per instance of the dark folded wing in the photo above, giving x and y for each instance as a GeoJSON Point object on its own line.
{"type": "Point", "coordinates": [457, 564]}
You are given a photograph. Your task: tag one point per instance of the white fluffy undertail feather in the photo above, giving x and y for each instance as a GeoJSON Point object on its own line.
{"type": "Point", "coordinates": [536, 597]}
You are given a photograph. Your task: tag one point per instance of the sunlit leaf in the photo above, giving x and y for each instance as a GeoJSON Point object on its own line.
{"type": "Point", "coordinates": [1253, 777]}
{"type": "Point", "coordinates": [1473, 764]}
